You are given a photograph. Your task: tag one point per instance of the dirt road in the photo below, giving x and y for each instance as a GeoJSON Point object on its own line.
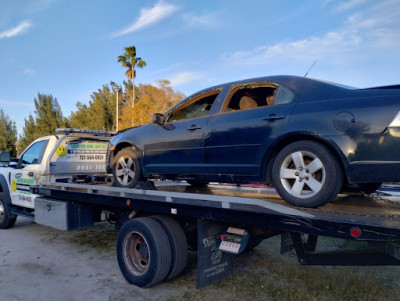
{"type": "Point", "coordinates": [42, 264]}
{"type": "Point", "coordinates": [39, 263]}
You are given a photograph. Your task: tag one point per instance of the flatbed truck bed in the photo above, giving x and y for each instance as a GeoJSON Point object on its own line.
{"type": "Point", "coordinates": [259, 207]}
{"type": "Point", "coordinates": [222, 220]}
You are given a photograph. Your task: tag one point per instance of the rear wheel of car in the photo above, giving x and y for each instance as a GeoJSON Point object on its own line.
{"type": "Point", "coordinates": [126, 169]}
{"type": "Point", "coordinates": [307, 174]}
{"type": "Point", "coordinates": [6, 219]}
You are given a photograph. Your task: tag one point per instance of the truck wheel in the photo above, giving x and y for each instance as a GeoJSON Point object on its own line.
{"type": "Point", "coordinates": [6, 221]}
{"type": "Point", "coordinates": [307, 174]}
{"type": "Point", "coordinates": [126, 169]}
{"type": "Point", "coordinates": [177, 240]}
{"type": "Point", "coordinates": [143, 252]}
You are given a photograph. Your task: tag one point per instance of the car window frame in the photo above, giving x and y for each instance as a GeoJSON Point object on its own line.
{"type": "Point", "coordinates": [190, 101]}
{"type": "Point", "coordinates": [237, 87]}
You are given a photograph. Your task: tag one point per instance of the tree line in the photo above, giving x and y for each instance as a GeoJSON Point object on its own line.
{"type": "Point", "coordinates": [135, 105]}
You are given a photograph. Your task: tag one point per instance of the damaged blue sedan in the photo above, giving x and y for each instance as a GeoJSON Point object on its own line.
{"type": "Point", "coordinates": [311, 139]}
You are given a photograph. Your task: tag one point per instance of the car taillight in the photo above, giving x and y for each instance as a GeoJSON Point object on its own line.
{"type": "Point", "coordinates": [396, 121]}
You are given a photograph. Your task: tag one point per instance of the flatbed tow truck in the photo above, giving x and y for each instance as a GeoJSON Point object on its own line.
{"type": "Point", "coordinates": [159, 222]}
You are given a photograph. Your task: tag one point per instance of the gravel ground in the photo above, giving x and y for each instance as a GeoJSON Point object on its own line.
{"type": "Point", "coordinates": [40, 263]}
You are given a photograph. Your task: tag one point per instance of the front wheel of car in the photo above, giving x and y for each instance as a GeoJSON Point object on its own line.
{"type": "Point", "coordinates": [126, 169]}
{"type": "Point", "coordinates": [307, 174]}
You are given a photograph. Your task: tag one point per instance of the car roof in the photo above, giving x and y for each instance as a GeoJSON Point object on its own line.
{"type": "Point", "coordinates": [304, 88]}
{"type": "Point", "coordinates": [308, 89]}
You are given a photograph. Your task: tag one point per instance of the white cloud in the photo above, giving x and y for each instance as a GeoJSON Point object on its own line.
{"type": "Point", "coordinates": [330, 46]}
{"type": "Point", "coordinates": [148, 17]}
{"type": "Point", "coordinates": [204, 20]}
{"type": "Point", "coordinates": [185, 77]}
{"type": "Point", "coordinates": [17, 30]}
{"type": "Point", "coordinates": [35, 6]}
{"type": "Point", "coordinates": [15, 103]}
{"type": "Point", "coordinates": [164, 70]}
{"type": "Point", "coordinates": [368, 33]}
{"type": "Point", "coordinates": [347, 5]}
{"type": "Point", "coordinates": [28, 71]}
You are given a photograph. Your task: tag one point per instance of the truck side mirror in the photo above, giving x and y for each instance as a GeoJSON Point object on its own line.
{"type": "Point", "coordinates": [5, 158]}
{"type": "Point", "coordinates": [158, 118]}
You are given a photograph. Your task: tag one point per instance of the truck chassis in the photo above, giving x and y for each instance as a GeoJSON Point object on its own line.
{"type": "Point", "coordinates": [158, 223]}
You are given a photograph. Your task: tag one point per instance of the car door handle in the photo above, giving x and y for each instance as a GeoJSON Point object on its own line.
{"type": "Point", "coordinates": [30, 174]}
{"type": "Point", "coordinates": [194, 127]}
{"type": "Point", "coordinates": [273, 117]}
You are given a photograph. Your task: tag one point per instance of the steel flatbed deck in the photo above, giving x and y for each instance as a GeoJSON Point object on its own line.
{"type": "Point", "coordinates": [376, 218]}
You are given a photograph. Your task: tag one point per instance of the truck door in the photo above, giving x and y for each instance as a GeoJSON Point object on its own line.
{"type": "Point", "coordinates": [30, 168]}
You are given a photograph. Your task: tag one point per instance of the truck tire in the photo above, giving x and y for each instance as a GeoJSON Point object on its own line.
{"type": "Point", "coordinates": [6, 221]}
{"type": "Point", "coordinates": [126, 169]}
{"type": "Point", "coordinates": [143, 252]}
{"type": "Point", "coordinates": [177, 240]}
{"type": "Point", "coordinates": [307, 174]}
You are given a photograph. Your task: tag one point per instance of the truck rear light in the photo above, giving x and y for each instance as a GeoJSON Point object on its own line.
{"type": "Point", "coordinates": [396, 121]}
{"type": "Point", "coordinates": [355, 232]}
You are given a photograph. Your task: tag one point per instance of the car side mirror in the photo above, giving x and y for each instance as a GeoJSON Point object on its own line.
{"type": "Point", "coordinates": [5, 158]}
{"type": "Point", "coordinates": [158, 118]}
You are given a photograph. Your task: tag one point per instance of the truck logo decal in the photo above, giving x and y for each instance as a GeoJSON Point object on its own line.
{"type": "Point", "coordinates": [14, 185]}
{"type": "Point", "coordinates": [18, 175]}
{"type": "Point", "coordinates": [61, 151]}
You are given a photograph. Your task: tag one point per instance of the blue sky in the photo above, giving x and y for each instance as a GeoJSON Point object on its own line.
{"type": "Point", "coordinates": [69, 48]}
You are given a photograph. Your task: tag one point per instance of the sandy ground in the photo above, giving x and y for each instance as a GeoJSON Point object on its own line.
{"type": "Point", "coordinates": [40, 263]}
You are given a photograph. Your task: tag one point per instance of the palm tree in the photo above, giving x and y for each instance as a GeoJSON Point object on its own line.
{"type": "Point", "coordinates": [129, 60]}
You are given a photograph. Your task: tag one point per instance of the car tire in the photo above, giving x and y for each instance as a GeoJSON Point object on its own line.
{"type": "Point", "coordinates": [126, 169]}
{"type": "Point", "coordinates": [6, 219]}
{"type": "Point", "coordinates": [307, 174]}
{"type": "Point", "coordinates": [143, 252]}
{"type": "Point", "coordinates": [177, 240]}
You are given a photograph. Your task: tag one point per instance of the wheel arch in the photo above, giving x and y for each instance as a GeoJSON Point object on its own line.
{"type": "Point", "coordinates": [121, 145]}
{"type": "Point", "coordinates": [5, 190]}
{"type": "Point", "coordinates": [273, 151]}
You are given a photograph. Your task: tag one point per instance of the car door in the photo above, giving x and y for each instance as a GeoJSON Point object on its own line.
{"type": "Point", "coordinates": [237, 138]}
{"type": "Point", "coordinates": [177, 146]}
{"type": "Point", "coordinates": [30, 167]}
